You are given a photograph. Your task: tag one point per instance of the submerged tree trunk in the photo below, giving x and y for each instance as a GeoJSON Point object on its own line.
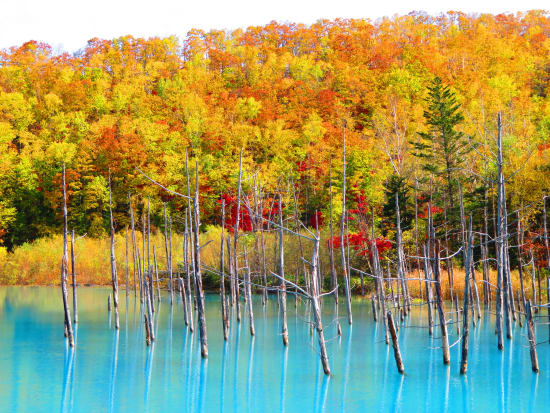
{"type": "Point", "coordinates": [316, 292]}
{"type": "Point", "coordinates": [395, 341]}
{"type": "Point", "coordinates": [531, 337]}
{"type": "Point", "coordinates": [248, 292]}
{"type": "Point", "coordinates": [64, 268]}
{"type": "Point", "coordinates": [345, 271]}
{"type": "Point", "coordinates": [114, 277]}
{"type": "Point", "coordinates": [284, 331]}
{"type": "Point", "coordinates": [465, 320]}
{"type": "Point", "coordinates": [441, 310]}
{"type": "Point", "coordinates": [198, 277]}
{"type": "Point", "coordinates": [73, 271]}
{"type": "Point", "coordinates": [225, 318]}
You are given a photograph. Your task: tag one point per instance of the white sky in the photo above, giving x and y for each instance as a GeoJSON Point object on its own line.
{"type": "Point", "coordinates": [68, 24]}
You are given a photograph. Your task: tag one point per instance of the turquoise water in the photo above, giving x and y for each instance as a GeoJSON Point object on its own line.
{"type": "Point", "coordinates": [116, 372]}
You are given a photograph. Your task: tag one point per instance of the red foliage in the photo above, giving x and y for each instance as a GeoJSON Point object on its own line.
{"type": "Point", "coordinates": [317, 220]}
{"type": "Point", "coordinates": [435, 210]}
{"type": "Point", "coordinates": [246, 223]}
{"type": "Point", "coordinates": [535, 244]}
{"type": "Point", "coordinates": [361, 243]}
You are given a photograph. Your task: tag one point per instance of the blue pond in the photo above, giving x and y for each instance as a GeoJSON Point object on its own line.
{"type": "Point", "coordinates": [116, 372]}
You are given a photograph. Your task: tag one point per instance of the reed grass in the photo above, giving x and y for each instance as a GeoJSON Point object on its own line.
{"type": "Point", "coordinates": [38, 263]}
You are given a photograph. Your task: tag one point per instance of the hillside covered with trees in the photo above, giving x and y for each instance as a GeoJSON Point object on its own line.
{"type": "Point", "coordinates": [419, 96]}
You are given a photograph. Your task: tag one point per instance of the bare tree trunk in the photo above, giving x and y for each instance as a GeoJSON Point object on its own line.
{"type": "Point", "coordinates": [429, 295]}
{"type": "Point", "coordinates": [533, 288]}
{"type": "Point", "coordinates": [441, 310]}
{"type": "Point", "coordinates": [113, 259]}
{"type": "Point", "coordinates": [342, 225]}
{"type": "Point", "coordinates": [225, 318]}
{"type": "Point", "coordinates": [168, 258]}
{"type": "Point", "coordinates": [127, 263]}
{"type": "Point", "coordinates": [465, 320]}
{"type": "Point", "coordinates": [378, 273]}
{"type": "Point", "coordinates": [157, 274]}
{"type": "Point", "coordinates": [149, 306]}
{"type": "Point", "coordinates": [262, 249]}
{"type": "Point", "coordinates": [73, 271]}
{"type": "Point", "coordinates": [485, 256]}
{"type": "Point", "coordinates": [333, 276]}
{"type": "Point", "coordinates": [198, 277]}
{"type": "Point", "coordinates": [151, 291]}
{"type": "Point", "coordinates": [282, 275]}
{"type": "Point", "coordinates": [532, 342]}
{"type": "Point", "coordinates": [64, 267]}
{"type": "Point", "coordinates": [188, 270]}
{"type": "Point", "coordinates": [316, 305]}
{"type": "Point", "coordinates": [520, 265]}
{"type": "Point", "coordinates": [417, 251]}
{"type": "Point", "coordinates": [137, 264]}
{"type": "Point", "coordinates": [547, 248]}
{"type": "Point", "coordinates": [395, 341]}
{"type": "Point", "coordinates": [500, 244]}
{"type": "Point", "coordinates": [401, 260]}
{"type": "Point", "coordinates": [147, 330]}
{"type": "Point", "coordinates": [300, 258]}
{"type": "Point", "coordinates": [235, 292]}
{"type": "Point", "coordinates": [248, 292]}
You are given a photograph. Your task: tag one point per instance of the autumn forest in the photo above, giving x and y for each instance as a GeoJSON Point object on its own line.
{"type": "Point", "coordinates": [416, 96]}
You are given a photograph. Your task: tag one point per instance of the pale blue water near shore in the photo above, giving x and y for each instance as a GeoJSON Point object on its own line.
{"type": "Point", "coordinates": [110, 372]}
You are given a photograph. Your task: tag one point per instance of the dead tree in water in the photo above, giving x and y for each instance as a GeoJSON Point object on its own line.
{"type": "Point", "coordinates": [114, 277]}
{"type": "Point", "coordinates": [225, 317]}
{"type": "Point", "coordinates": [316, 304]}
{"type": "Point", "coordinates": [188, 270]}
{"type": "Point", "coordinates": [467, 300]}
{"type": "Point", "coordinates": [428, 288]}
{"type": "Point", "coordinates": [531, 338]}
{"type": "Point", "coordinates": [127, 264]}
{"type": "Point", "coordinates": [345, 272]}
{"type": "Point", "coordinates": [520, 264]}
{"type": "Point", "coordinates": [395, 341]}
{"type": "Point", "coordinates": [500, 242]}
{"type": "Point", "coordinates": [401, 260]}
{"type": "Point", "coordinates": [198, 276]}
{"type": "Point", "coordinates": [137, 265]}
{"type": "Point", "coordinates": [441, 310]}
{"type": "Point", "coordinates": [64, 267]}
{"type": "Point", "coordinates": [235, 285]}
{"type": "Point", "coordinates": [73, 272]}
{"type": "Point", "coordinates": [248, 291]}
{"type": "Point", "coordinates": [168, 258]}
{"type": "Point", "coordinates": [379, 281]}
{"type": "Point", "coordinates": [284, 331]}
{"type": "Point", "coordinates": [333, 276]}
{"type": "Point", "coordinates": [547, 248]}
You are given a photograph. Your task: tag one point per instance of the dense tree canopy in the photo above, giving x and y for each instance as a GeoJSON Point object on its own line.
{"type": "Point", "coordinates": [281, 92]}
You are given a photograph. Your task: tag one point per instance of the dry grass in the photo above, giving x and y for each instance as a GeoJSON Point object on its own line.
{"type": "Point", "coordinates": [38, 263]}
{"type": "Point", "coordinates": [459, 281]}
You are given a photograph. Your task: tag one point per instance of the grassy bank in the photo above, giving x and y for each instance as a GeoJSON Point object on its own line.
{"type": "Point", "coordinates": [38, 263]}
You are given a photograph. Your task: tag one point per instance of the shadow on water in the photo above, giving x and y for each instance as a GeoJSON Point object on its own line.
{"type": "Point", "coordinates": [150, 352]}
{"type": "Point", "coordinates": [222, 380]}
{"type": "Point", "coordinates": [249, 379]}
{"type": "Point", "coordinates": [68, 377]}
{"type": "Point", "coordinates": [283, 378]}
{"type": "Point", "coordinates": [113, 372]}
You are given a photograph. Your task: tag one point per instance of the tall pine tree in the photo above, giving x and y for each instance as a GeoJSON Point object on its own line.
{"type": "Point", "coordinates": [442, 148]}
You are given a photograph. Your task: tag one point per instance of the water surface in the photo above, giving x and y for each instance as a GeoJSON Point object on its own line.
{"type": "Point", "coordinates": [116, 372]}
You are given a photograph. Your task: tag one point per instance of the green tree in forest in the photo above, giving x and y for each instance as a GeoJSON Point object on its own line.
{"type": "Point", "coordinates": [442, 148]}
